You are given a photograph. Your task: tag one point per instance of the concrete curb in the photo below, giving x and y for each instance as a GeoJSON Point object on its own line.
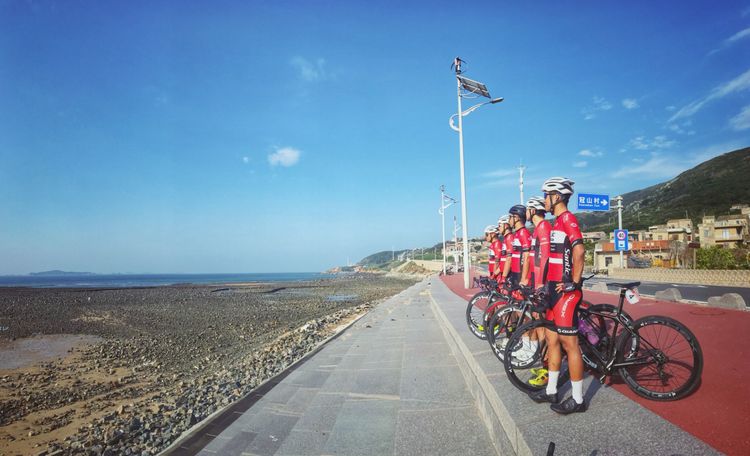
{"type": "Point", "coordinates": [500, 424]}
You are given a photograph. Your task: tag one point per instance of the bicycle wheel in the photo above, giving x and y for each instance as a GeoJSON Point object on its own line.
{"type": "Point", "coordinates": [501, 327]}
{"type": "Point", "coordinates": [475, 313]}
{"type": "Point", "coordinates": [667, 359]}
{"type": "Point", "coordinates": [520, 362]}
{"type": "Point", "coordinates": [498, 303]}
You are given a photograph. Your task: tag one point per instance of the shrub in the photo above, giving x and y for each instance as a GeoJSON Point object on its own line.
{"type": "Point", "coordinates": [715, 258]}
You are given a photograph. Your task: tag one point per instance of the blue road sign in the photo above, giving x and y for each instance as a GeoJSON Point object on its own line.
{"type": "Point", "coordinates": [621, 241]}
{"type": "Point", "coordinates": [593, 202]}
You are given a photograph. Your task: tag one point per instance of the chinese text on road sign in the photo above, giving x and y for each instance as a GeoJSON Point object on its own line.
{"type": "Point", "coordinates": [593, 202]}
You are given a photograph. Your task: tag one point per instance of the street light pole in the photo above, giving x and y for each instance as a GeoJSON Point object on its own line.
{"type": "Point", "coordinates": [443, 207]}
{"type": "Point", "coordinates": [464, 227]}
{"type": "Point", "coordinates": [480, 89]}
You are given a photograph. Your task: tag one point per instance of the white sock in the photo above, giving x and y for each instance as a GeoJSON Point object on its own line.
{"type": "Point", "coordinates": [577, 391]}
{"type": "Point", "coordinates": [552, 382]}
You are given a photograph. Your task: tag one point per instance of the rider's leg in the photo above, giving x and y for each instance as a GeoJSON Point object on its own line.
{"type": "Point", "coordinates": [554, 359]}
{"type": "Point", "coordinates": [575, 365]}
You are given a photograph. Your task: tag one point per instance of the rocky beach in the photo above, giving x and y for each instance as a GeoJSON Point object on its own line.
{"type": "Point", "coordinates": [128, 370]}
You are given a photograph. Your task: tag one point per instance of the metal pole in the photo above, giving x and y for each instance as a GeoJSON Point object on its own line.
{"type": "Point", "coordinates": [520, 182]}
{"type": "Point", "coordinates": [619, 225]}
{"type": "Point", "coordinates": [442, 216]}
{"type": "Point", "coordinates": [464, 227]}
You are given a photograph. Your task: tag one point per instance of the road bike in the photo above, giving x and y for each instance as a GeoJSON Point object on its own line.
{"type": "Point", "coordinates": [658, 357]}
{"type": "Point", "coordinates": [533, 306]}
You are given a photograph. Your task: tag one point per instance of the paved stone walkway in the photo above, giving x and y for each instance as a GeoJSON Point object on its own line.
{"type": "Point", "coordinates": [410, 379]}
{"type": "Point", "coordinates": [389, 385]}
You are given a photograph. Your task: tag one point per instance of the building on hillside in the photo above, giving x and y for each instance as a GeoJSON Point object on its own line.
{"type": "Point", "coordinates": [728, 231]}
{"type": "Point", "coordinates": [594, 236]}
{"type": "Point", "coordinates": [674, 230]}
{"type": "Point", "coordinates": [658, 253]}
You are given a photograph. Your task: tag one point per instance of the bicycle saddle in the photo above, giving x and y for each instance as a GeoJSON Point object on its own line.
{"type": "Point", "coordinates": [625, 285]}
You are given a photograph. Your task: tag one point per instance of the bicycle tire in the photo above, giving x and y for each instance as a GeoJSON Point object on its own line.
{"type": "Point", "coordinates": [502, 325]}
{"type": "Point", "coordinates": [519, 372]}
{"type": "Point", "coordinates": [675, 354]}
{"type": "Point", "coordinates": [498, 303]}
{"type": "Point", "coordinates": [475, 313]}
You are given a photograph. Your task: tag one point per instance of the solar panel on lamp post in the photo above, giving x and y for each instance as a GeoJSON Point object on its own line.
{"type": "Point", "coordinates": [474, 87]}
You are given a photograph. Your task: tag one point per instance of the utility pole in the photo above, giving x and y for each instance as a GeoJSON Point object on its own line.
{"type": "Point", "coordinates": [618, 199]}
{"type": "Point", "coordinates": [520, 182]}
{"type": "Point", "coordinates": [445, 202]}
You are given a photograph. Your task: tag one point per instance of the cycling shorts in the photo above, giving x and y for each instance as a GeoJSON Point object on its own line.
{"type": "Point", "coordinates": [564, 311]}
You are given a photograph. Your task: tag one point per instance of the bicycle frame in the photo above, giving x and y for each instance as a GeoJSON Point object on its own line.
{"type": "Point", "coordinates": [605, 363]}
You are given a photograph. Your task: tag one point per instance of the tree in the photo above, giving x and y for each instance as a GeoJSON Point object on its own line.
{"type": "Point", "coordinates": [715, 257]}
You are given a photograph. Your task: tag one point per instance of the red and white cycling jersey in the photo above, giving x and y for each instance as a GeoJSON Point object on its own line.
{"type": "Point", "coordinates": [521, 244]}
{"type": "Point", "coordinates": [495, 254]}
{"type": "Point", "coordinates": [507, 248]}
{"type": "Point", "coordinates": [539, 255]}
{"type": "Point", "coordinates": [566, 234]}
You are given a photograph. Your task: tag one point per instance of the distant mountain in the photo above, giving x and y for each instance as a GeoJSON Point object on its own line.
{"type": "Point", "coordinates": [57, 273]}
{"type": "Point", "coordinates": [380, 258]}
{"type": "Point", "coordinates": [710, 188]}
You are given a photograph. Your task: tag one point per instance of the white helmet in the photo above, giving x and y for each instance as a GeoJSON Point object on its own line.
{"type": "Point", "coordinates": [490, 229]}
{"type": "Point", "coordinates": [503, 219]}
{"type": "Point", "coordinates": [536, 202]}
{"type": "Point", "coordinates": [561, 185]}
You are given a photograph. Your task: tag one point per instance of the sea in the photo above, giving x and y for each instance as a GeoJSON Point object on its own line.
{"type": "Point", "coordinates": [151, 280]}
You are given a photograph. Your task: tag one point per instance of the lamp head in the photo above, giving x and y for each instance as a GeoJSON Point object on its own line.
{"type": "Point", "coordinates": [496, 100]}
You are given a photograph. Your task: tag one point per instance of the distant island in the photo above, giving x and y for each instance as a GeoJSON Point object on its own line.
{"type": "Point", "coordinates": [58, 273]}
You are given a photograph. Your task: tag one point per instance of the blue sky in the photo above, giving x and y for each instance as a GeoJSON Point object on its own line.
{"type": "Point", "coordinates": [292, 135]}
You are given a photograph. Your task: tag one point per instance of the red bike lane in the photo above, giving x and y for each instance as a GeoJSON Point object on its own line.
{"type": "Point", "coordinates": [717, 412]}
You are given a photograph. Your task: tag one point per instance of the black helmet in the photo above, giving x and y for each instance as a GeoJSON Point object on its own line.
{"type": "Point", "coordinates": [518, 210]}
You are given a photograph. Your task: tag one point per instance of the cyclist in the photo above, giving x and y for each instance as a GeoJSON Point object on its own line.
{"type": "Point", "coordinates": [565, 270]}
{"type": "Point", "coordinates": [521, 244]}
{"type": "Point", "coordinates": [503, 226]}
{"type": "Point", "coordinates": [490, 235]}
{"type": "Point", "coordinates": [538, 267]}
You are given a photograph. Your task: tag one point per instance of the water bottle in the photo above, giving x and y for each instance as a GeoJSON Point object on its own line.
{"type": "Point", "coordinates": [585, 328]}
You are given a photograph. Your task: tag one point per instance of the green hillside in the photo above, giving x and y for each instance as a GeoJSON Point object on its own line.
{"type": "Point", "coordinates": [710, 188]}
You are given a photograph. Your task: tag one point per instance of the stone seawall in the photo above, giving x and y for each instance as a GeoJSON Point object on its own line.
{"type": "Point", "coordinates": [737, 278]}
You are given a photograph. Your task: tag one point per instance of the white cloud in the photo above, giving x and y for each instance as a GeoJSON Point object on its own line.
{"type": "Point", "coordinates": [501, 173]}
{"type": "Point", "coordinates": [580, 164]}
{"type": "Point", "coordinates": [286, 156]}
{"type": "Point", "coordinates": [657, 142]}
{"type": "Point", "coordinates": [657, 166]}
{"type": "Point", "coordinates": [738, 84]}
{"type": "Point", "coordinates": [682, 128]}
{"type": "Point", "coordinates": [671, 108]}
{"type": "Point", "coordinates": [731, 40]}
{"type": "Point", "coordinates": [310, 71]}
{"type": "Point", "coordinates": [245, 159]}
{"type": "Point", "coordinates": [742, 120]}
{"type": "Point", "coordinates": [599, 104]}
{"type": "Point", "coordinates": [630, 103]}
{"type": "Point", "coordinates": [666, 166]}
{"type": "Point", "coordinates": [590, 153]}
